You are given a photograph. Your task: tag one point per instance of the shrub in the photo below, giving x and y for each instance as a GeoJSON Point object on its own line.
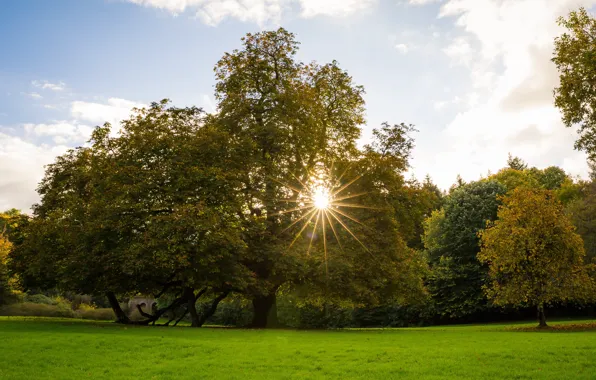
{"type": "Point", "coordinates": [307, 316]}
{"type": "Point", "coordinates": [103, 314]}
{"type": "Point", "coordinates": [233, 312]}
{"type": "Point", "coordinates": [29, 309]}
{"type": "Point", "coordinates": [40, 299]}
{"type": "Point", "coordinates": [79, 300]}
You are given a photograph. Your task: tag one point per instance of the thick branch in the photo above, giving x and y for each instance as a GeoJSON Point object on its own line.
{"type": "Point", "coordinates": [182, 316]}
{"type": "Point", "coordinates": [212, 308]}
{"type": "Point", "coordinates": [167, 286]}
{"type": "Point", "coordinates": [152, 318]}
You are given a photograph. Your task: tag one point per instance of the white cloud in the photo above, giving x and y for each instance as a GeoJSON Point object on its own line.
{"type": "Point", "coordinates": [402, 48]}
{"type": "Point", "coordinates": [45, 85]}
{"type": "Point", "coordinates": [22, 167]}
{"type": "Point", "coordinates": [509, 105]}
{"type": "Point", "coordinates": [22, 159]}
{"type": "Point", "coordinates": [261, 11]}
{"type": "Point", "coordinates": [423, 2]}
{"type": "Point", "coordinates": [61, 132]}
{"type": "Point", "coordinates": [460, 51]}
{"type": "Point", "coordinates": [34, 95]}
{"type": "Point", "coordinates": [334, 8]}
{"type": "Point", "coordinates": [113, 112]}
{"type": "Point", "coordinates": [212, 12]}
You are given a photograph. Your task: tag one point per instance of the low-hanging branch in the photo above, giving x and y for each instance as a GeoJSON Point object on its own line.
{"type": "Point", "coordinates": [154, 317]}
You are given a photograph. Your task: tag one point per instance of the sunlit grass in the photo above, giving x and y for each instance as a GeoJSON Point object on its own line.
{"type": "Point", "coordinates": [66, 349]}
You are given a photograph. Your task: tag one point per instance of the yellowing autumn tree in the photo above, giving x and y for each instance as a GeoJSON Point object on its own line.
{"type": "Point", "coordinates": [535, 257]}
{"type": "Point", "coordinates": [5, 247]}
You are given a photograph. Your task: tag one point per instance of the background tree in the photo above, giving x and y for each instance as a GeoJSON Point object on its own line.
{"type": "Point", "coordinates": [516, 163]}
{"type": "Point", "coordinates": [551, 178]}
{"type": "Point", "coordinates": [534, 256]}
{"type": "Point", "coordinates": [575, 58]}
{"type": "Point", "coordinates": [582, 212]}
{"type": "Point", "coordinates": [12, 225]}
{"type": "Point", "coordinates": [5, 288]}
{"type": "Point", "coordinates": [452, 245]}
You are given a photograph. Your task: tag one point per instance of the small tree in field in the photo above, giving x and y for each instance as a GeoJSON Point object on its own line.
{"type": "Point", "coordinates": [534, 255]}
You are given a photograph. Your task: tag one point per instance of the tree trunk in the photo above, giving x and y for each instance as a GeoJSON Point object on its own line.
{"type": "Point", "coordinates": [121, 316]}
{"type": "Point", "coordinates": [191, 301]}
{"type": "Point", "coordinates": [265, 312]}
{"type": "Point", "coordinates": [541, 317]}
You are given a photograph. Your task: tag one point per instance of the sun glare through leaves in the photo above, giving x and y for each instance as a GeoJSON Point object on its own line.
{"type": "Point", "coordinates": [320, 208]}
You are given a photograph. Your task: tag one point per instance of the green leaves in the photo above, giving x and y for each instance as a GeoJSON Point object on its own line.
{"type": "Point", "coordinates": [576, 94]}
{"type": "Point", "coordinates": [452, 243]}
{"type": "Point", "coordinates": [534, 255]}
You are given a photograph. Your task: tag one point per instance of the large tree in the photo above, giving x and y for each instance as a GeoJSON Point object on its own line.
{"type": "Point", "coordinates": [152, 208]}
{"type": "Point", "coordinates": [534, 256]}
{"type": "Point", "coordinates": [575, 58]}
{"type": "Point", "coordinates": [212, 202]}
{"type": "Point", "coordinates": [296, 117]}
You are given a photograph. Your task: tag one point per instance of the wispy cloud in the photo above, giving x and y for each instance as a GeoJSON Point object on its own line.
{"type": "Point", "coordinates": [34, 95]}
{"type": "Point", "coordinates": [25, 154]}
{"type": "Point", "coordinates": [45, 85]}
{"type": "Point", "coordinates": [402, 48]}
{"type": "Point", "coordinates": [212, 12]}
{"type": "Point", "coordinates": [511, 78]}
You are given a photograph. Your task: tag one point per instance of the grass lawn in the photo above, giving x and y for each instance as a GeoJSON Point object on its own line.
{"type": "Point", "coordinates": [66, 349]}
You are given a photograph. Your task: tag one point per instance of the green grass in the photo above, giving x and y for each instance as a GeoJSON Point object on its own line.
{"type": "Point", "coordinates": [69, 349]}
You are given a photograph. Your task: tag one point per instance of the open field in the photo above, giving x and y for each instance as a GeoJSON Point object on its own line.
{"type": "Point", "coordinates": [67, 349]}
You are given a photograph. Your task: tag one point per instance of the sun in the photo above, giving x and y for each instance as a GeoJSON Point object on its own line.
{"type": "Point", "coordinates": [321, 198]}
{"type": "Point", "coordinates": [321, 203]}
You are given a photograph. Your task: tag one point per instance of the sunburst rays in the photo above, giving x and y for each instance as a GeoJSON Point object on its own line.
{"type": "Point", "coordinates": [321, 203]}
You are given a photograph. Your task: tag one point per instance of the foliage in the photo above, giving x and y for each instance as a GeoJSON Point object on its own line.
{"type": "Point", "coordinates": [550, 178]}
{"type": "Point", "coordinates": [29, 309]}
{"type": "Point", "coordinates": [582, 213]}
{"type": "Point", "coordinates": [5, 288]}
{"type": "Point", "coordinates": [298, 117]}
{"type": "Point", "coordinates": [575, 58]}
{"type": "Point", "coordinates": [533, 253]}
{"type": "Point", "coordinates": [233, 312]}
{"type": "Point", "coordinates": [40, 298]}
{"type": "Point", "coordinates": [451, 243]}
{"type": "Point", "coordinates": [292, 116]}
{"type": "Point", "coordinates": [151, 207]}
{"type": "Point", "coordinates": [516, 163]}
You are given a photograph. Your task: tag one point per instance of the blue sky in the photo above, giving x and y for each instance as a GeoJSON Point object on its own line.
{"type": "Point", "coordinates": [474, 76]}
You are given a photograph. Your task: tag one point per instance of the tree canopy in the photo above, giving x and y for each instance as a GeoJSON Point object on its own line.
{"type": "Point", "coordinates": [192, 204]}
{"type": "Point", "coordinates": [533, 253]}
{"type": "Point", "coordinates": [575, 58]}
{"type": "Point", "coordinates": [452, 244]}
